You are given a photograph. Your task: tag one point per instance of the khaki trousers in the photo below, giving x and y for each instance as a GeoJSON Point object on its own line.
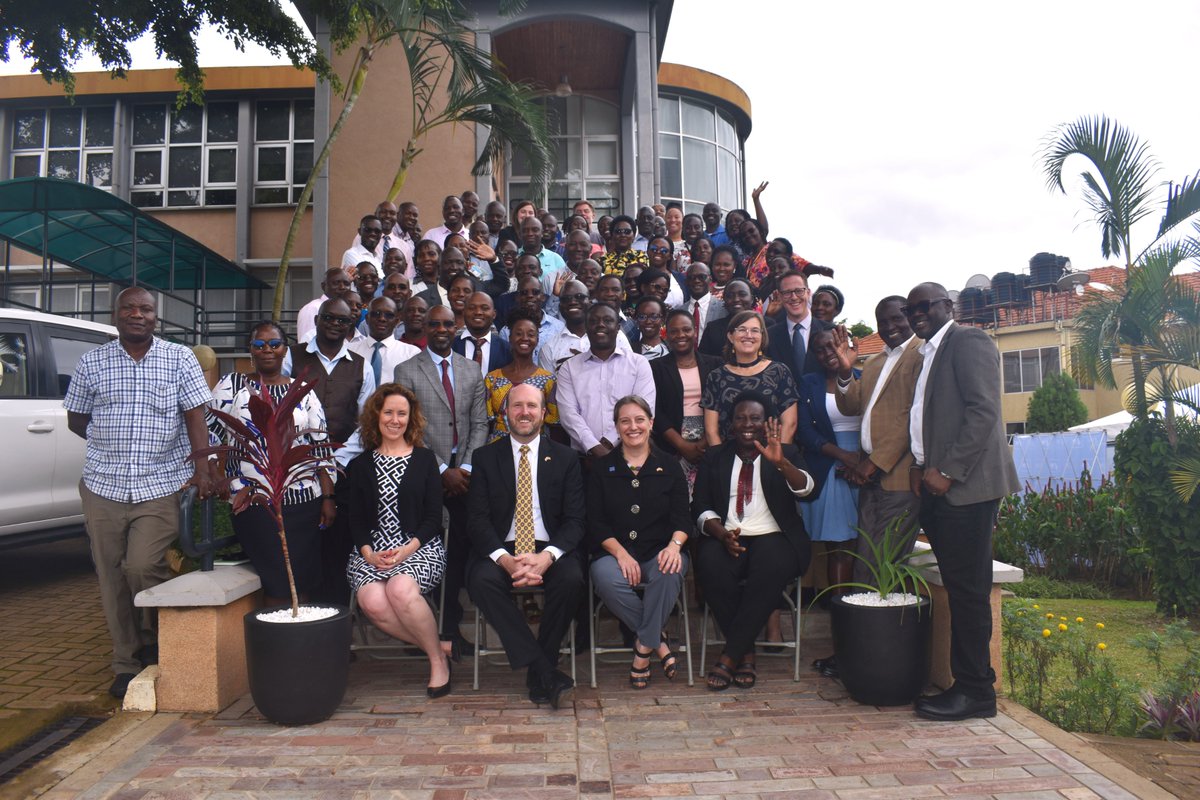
{"type": "Point", "coordinates": [129, 544]}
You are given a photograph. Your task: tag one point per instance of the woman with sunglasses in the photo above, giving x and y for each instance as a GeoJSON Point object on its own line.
{"type": "Point", "coordinates": [621, 254]}
{"type": "Point", "coordinates": [308, 506]}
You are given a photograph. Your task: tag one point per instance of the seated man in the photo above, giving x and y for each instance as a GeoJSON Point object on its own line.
{"type": "Point", "coordinates": [526, 521]}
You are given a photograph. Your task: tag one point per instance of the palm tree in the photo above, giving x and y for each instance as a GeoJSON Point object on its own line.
{"type": "Point", "coordinates": [1151, 320]}
{"type": "Point", "coordinates": [442, 58]}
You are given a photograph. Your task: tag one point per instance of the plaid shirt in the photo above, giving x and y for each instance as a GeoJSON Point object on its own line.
{"type": "Point", "coordinates": [137, 441]}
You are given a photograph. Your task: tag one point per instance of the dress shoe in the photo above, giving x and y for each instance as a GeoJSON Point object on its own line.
{"type": "Point", "coordinates": [559, 689]}
{"type": "Point", "coordinates": [147, 655]}
{"type": "Point", "coordinates": [951, 706]}
{"type": "Point", "coordinates": [120, 685]}
{"type": "Point", "coordinates": [826, 666]}
{"type": "Point", "coordinates": [434, 692]}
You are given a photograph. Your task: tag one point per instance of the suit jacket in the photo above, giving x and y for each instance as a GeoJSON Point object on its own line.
{"type": "Point", "coordinates": [431, 296]}
{"type": "Point", "coordinates": [711, 493]}
{"type": "Point", "coordinates": [504, 304]}
{"type": "Point", "coordinates": [889, 416]}
{"type": "Point", "coordinates": [780, 347]}
{"type": "Point", "coordinates": [492, 498]}
{"type": "Point", "coordinates": [668, 397]}
{"type": "Point", "coordinates": [814, 429]}
{"type": "Point", "coordinates": [659, 492]}
{"type": "Point", "coordinates": [963, 430]}
{"type": "Point", "coordinates": [419, 374]}
{"type": "Point", "coordinates": [499, 353]}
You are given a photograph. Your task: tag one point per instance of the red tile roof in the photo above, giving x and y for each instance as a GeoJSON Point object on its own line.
{"type": "Point", "coordinates": [868, 345]}
{"type": "Point", "coordinates": [1048, 305]}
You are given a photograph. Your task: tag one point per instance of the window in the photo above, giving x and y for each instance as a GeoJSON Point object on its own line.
{"type": "Point", "coordinates": [73, 143]}
{"type": "Point", "coordinates": [184, 157]}
{"type": "Point", "coordinates": [68, 347]}
{"type": "Point", "coordinates": [586, 135]}
{"type": "Point", "coordinates": [698, 154]}
{"type": "Point", "coordinates": [1012, 429]}
{"type": "Point", "coordinates": [283, 150]}
{"type": "Point", "coordinates": [1024, 370]}
{"type": "Point", "coordinates": [14, 365]}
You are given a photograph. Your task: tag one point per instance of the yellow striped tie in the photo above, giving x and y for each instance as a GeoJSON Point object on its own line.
{"type": "Point", "coordinates": [524, 513]}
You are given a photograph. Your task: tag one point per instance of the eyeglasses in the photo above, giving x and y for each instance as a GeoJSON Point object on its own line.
{"type": "Point", "coordinates": [382, 314]}
{"type": "Point", "coordinates": [742, 329]}
{"type": "Point", "coordinates": [658, 249]}
{"type": "Point", "coordinates": [266, 344]}
{"type": "Point", "coordinates": [622, 231]}
{"type": "Point", "coordinates": [649, 317]}
{"type": "Point", "coordinates": [793, 292]}
{"type": "Point", "coordinates": [334, 319]}
{"type": "Point", "coordinates": [579, 297]}
{"type": "Point", "coordinates": [923, 306]}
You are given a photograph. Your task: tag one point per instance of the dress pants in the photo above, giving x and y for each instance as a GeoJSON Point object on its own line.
{"type": "Point", "coordinates": [962, 541]}
{"type": "Point", "coordinates": [647, 614]}
{"type": "Point", "coordinates": [743, 591]}
{"type": "Point", "coordinates": [877, 507]}
{"type": "Point", "coordinates": [491, 590]}
{"type": "Point", "coordinates": [458, 551]}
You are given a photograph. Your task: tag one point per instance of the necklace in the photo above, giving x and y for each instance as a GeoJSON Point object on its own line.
{"type": "Point", "coordinates": [747, 365]}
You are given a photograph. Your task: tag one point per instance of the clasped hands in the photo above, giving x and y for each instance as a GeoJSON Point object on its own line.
{"type": "Point", "coordinates": [386, 559]}
{"type": "Point", "coordinates": [527, 569]}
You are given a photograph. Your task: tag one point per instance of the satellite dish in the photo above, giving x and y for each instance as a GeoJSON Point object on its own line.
{"type": "Point", "coordinates": [953, 295]}
{"type": "Point", "coordinates": [979, 281]}
{"type": "Point", "coordinates": [1072, 280]}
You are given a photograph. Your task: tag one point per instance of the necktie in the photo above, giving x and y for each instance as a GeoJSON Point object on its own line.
{"type": "Point", "coordinates": [479, 343]}
{"type": "Point", "coordinates": [696, 316]}
{"type": "Point", "coordinates": [745, 488]}
{"type": "Point", "coordinates": [385, 243]}
{"type": "Point", "coordinates": [449, 389]}
{"type": "Point", "coordinates": [798, 351]}
{"type": "Point", "coordinates": [377, 362]}
{"type": "Point", "coordinates": [523, 516]}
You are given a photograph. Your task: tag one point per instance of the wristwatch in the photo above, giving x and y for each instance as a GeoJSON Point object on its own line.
{"type": "Point", "coordinates": [944, 475]}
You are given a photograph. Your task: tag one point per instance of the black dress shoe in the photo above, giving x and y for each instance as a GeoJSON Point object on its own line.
{"type": "Point", "coordinates": [120, 685]}
{"type": "Point", "coordinates": [951, 706]}
{"type": "Point", "coordinates": [434, 692]}
{"type": "Point", "coordinates": [559, 689]}
{"type": "Point", "coordinates": [826, 666]}
{"type": "Point", "coordinates": [147, 655]}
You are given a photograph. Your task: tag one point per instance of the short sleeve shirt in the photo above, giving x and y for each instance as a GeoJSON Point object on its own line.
{"type": "Point", "coordinates": [137, 442]}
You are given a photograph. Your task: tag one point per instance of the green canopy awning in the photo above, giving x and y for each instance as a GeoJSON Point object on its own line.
{"type": "Point", "coordinates": [94, 231]}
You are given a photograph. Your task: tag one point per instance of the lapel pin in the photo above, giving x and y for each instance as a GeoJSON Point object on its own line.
{"type": "Point", "coordinates": [658, 470]}
{"type": "Point", "coordinates": [547, 458]}
{"type": "Point", "coordinates": [612, 469]}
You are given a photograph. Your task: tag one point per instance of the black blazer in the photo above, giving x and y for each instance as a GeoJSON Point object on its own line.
{"type": "Point", "coordinates": [492, 498]}
{"type": "Point", "coordinates": [780, 347]}
{"type": "Point", "coordinates": [668, 401]}
{"type": "Point", "coordinates": [504, 304]}
{"type": "Point", "coordinates": [660, 497]}
{"type": "Point", "coordinates": [431, 296]}
{"type": "Point", "coordinates": [711, 493]}
{"type": "Point", "coordinates": [500, 355]}
{"type": "Point", "coordinates": [419, 502]}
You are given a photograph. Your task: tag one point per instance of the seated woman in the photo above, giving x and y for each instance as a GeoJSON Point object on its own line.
{"type": "Point", "coordinates": [394, 493]}
{"type": "Point", "coordinates": [638, 516]}
{"type": "Point", "coordinates": [523, 340]}
{"type": "Point", "coordinates": [754, 543]}
{"type": "Point", "coordinates": [308, 506]}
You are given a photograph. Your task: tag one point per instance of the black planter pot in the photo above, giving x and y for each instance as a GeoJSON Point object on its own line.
{"type": "Point", "coordinates": [298, 670]}
{"type": "Point", "coordinates": [882, 653]}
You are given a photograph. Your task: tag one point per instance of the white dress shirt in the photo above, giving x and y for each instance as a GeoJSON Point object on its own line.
{"type": "Point", "coordinates": [889, 363]}
{"type": "Point", "coordinates": [704, 303]}
{"type": "Point", "coordinates": [393, 353]}
{"type": "Point", "coordinates": [355, 256]}
{"type": "Point", "coordinates": [440, 233]}
{"type": "Point", "coordinates": [757, 518]}
{"type": "Point", "coordinates": [469, 350]}
{"type": "Point", "coordinates": [560, 346]}
{"type": "Point", "coordinates": [916, 416]}
{"type": "Point", "coordinates": [805, 331]}
{"type": "Point", "coordinates": [540, 533]}
{"type": "Point", "coordinates": [368, 384]}
{"type": "Point", "coordinates": [306, 318]}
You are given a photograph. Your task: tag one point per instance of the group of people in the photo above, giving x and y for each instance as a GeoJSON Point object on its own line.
{"type": "Point", "coordinates": [613, 404]}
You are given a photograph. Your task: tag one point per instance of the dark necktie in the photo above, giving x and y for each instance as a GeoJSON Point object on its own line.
{"type": "Point", "coordinates": [696, 316]}
{"type": "Point", "coordinates": [449, 389]}
{"type": "Point", "coordinates": [745, 488]}
{"type": "Point", "coordinates": [377, 362]}
{"type": "Point", "coordinates": [479, 343]}
{"type": "Point", "coordinates": [798, 351]}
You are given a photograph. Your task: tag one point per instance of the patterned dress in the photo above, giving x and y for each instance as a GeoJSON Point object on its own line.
{"type": "Point", "coordinates": [722, 387]}
{"type": "Point", "coordinates": [615, 263]}
{"type": "Point", "coordinates": [427, 565]}
{"type": "Point", "coordinates": [496, 388]}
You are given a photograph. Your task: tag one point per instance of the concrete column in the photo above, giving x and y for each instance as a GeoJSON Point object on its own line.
{"type": "Point", "coordinates": [483, 183]}
{"type": "Point", "coordinates": [245, 181]}
{"type": "Point", "coordinates": [320, 198]}
{"type": "Point", "coordinates": [645, 64]}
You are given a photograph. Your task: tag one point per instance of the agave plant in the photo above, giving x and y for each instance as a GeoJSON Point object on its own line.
{"type": "Point", "coordinates": [273, 445]}
{"type": "Point", "coordinates": [890, 567]}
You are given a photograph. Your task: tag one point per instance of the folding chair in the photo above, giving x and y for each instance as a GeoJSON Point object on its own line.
{"type": "Point", "coordinates": [791, 597]}
{"type": "Point", "coordinates": [482, 650]}
{"type": "Point", "coordinates": [392, 649]}
{"type": "Point", "coordinates": [596, 605]}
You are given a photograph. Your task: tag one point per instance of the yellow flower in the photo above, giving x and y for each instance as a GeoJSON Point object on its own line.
{"type": "Point", "coordinates": [1102, 646]}
{"type": "Point", "coordinates": [1062, 626]}
{"type": "Point", "coordinates": [1064, 619]}
{"type": "Point", "coordinates": [1079, 619]}
{"type": "Point", "coordinates": [1035, 605]}
{"type": "Point", "coordinates": [1099, 626]}
{"type": "Point", "coordinates": [1049, 616]}
{"type": "Point", "coordinates": [1046, 632]}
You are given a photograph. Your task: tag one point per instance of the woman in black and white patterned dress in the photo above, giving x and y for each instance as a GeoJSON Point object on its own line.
{"type": "Point", "coordinates": [394, 494]}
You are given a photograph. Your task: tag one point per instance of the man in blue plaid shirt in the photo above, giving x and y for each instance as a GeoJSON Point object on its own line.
{"type": "Point", "coordinates": [139, 402]}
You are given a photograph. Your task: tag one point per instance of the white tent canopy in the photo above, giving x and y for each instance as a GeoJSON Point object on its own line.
{"type": "Point", "coordinates": [1115, 423]}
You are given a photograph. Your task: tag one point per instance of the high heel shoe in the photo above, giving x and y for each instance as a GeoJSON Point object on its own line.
{"type": "Point", "coordinates": [434, 692]}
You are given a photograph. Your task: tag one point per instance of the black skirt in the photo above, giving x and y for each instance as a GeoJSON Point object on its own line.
{"type": "Point", "coordinates": [255, 529]}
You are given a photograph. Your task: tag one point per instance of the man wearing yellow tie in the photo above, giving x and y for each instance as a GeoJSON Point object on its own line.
{"type": "Point", "coordinates": [526, 520]}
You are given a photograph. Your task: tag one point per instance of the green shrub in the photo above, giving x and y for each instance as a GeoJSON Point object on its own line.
{"type": "Point", "coordinates": [1040, 586]}
{"type": "Point", "coordinates": [1055, 406]}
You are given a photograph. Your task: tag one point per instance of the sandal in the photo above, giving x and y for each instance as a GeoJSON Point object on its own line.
{"type": "Point", "coordinates": [670, 662]}
{"type": "Point", "coordinates": [746, 675]}
{"type": "Point", "coordinates": [719, 678]}
{"type": "Point", "coordinates": [639, 678]}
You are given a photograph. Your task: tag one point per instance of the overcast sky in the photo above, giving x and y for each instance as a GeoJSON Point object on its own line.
{"type": "Point", "coordinates": [900, 139]}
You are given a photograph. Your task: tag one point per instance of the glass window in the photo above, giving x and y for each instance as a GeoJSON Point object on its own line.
{"type": "Point", "coordinates": [282, 168]}
{"type": "Point", "coordinates": [699, 168]}
{"type": "Point", "coordinates": [222, 122]}
{"type": "Point", "coordinates": [1012, 371]}
{"type": "Point", "coordinates": [1030, 371]}
{"type": "Point", "coordinates": [222, 165]}
{"type": "Point", "coordinates": [66, 127]}
{"type": "Point", "coordinates": [668, 114]}
{"type": "Point", "coordinates": [727, 178]}
{"type": "Point", "coordinates": [303, 111]}
{"type": "Point", "coordinates": [699, 154]}
{"type": "Point", "coordinates": [272, 164]}
{"type": "Point", "coordinates": [147, 168]}
{"type": "Point", "coordinates": [183, 167]}
{"type": "Point", "coordinates": [726, 131]}
{"type": "Point", "coordinates": [148, 125]}
{"type": "Point", "coordinates": [1024, 370]}
{"type": "Point", "coordinates": [273, 121]}
{"type": "Point", "coordinates": [63, 164]}
{"type": "Point", "coordinates": [99, 170]}
{"type": "Point", "coordinates": [14, 367]}
{"type": "Point", "coordinates": [29, 130]}
{"type": "Point", "coordinates": [27, 166]}
{"type": "Point", "coordinates": [600, 118]}
{"type": "Point", "coordinates": [173, 163]}
{"type": "Point", "coordinates": [67, 352]}
{"type": "Point", "coordinates": [1050, 365]}
{"type": "Point", "coordinates": [73, 143]}
{"type": "Point", "coordinates": [99, 129]}
{"type": "Point", "coordinates": [187, 125]}
{"type": "Point", "coordinates": [698, 120]}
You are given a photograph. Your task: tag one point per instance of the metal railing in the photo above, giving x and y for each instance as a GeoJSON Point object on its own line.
{"type": "Point", "coordinates": [205, 549]}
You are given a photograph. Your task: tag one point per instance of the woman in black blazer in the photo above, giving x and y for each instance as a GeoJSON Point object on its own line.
{"type": "Point", "coordinates": [394, 495]}
{"type": "Point", "coordinates": [638, 521]}
{"type": "Point", "coordinates": [679, 383]}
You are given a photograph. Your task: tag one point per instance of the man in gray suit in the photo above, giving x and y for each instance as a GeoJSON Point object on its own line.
{"type": "Point", "coordinates": [449, 388]}
{"type": "Point", "coordinates": [961, 469]}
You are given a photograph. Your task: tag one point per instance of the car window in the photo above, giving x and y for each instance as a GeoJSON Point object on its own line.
{"type": "Point", "coordinates": [14, 365]}
{"type": "Point", "coordinates": [68, 349]}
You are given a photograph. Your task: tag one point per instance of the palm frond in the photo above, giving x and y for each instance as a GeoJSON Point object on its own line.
{"type": "Point", "coordinates": [1185, 478]}
{"type": "Point", "coordinates": [1183, 203]}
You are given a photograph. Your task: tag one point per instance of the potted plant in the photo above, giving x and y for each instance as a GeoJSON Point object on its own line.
{"type": "Point", "coordinates": [297, 658]}
{"type": "Point", "coordinates": [881, 635]}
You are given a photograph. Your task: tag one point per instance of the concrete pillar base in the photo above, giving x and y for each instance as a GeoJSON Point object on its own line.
{"type": "Point", "coordinates": [202, 656]}
{"type": "Point", "coordinates": [939, 663]}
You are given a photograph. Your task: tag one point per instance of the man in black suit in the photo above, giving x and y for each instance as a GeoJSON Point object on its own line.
{"type": "Point", "coordinates": [793, 348]}
{"type": "Point", "coordinates": [479, 341]}
{"type": "Point", "coordinates": [526, 512]}
{"type": "Point", "coordinates": [961, 469]}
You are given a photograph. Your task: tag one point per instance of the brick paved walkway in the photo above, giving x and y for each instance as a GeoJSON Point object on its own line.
{"type": "Point", "coordinates": [803, 740]}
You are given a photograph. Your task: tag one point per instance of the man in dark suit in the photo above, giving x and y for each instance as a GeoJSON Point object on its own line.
{"type": "Point", "coordinates": [527, 523]}
{"type": "Point", "coordinates": [792, 349]}
{"type": "Point", "coordinates": [449, 388]}
{"type": "Point", "coordinates": [479, 341]}
{"type": "Point", "coordinates": [961, 469]}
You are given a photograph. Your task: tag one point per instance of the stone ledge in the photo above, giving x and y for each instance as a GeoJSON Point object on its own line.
{"type": "Point", "coordinates": [1001, 572]}
{"type": "Point", "coordinates": [220, 587]}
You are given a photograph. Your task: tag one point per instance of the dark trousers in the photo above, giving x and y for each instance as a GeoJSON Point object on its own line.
{"type": "Point", "coordinates": [458, 551]}
{"type": "Point", "coordinates": [491, 589]}
{"type": "Point", "coordinates": [743, 591]}
{"type": "Point", "coordinates": [877, 508]}
{"type": "Point", "coordinates": [962, 541]}
{"type": "Point", "coordinates": [336, 545]}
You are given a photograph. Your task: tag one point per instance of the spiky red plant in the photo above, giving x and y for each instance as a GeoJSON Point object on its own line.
{"type": "Point", "coordinates": [272, 444]}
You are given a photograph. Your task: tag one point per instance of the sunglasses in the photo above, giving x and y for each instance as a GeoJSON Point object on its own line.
{"type": "Point", "coordinates": [266, 344]}
{"type": "Point", "coordinates": [382, 314]}
{"type": "Point", "coordinates": [579, 297]}
{"type": "Point", "coordinates": [334, 319]}
{"type": "Point", "coordinates": [922, 307]}
{"type": "Point", "coordinates": [622, 231]}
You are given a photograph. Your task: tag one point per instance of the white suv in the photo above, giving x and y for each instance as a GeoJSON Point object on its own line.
{"type": "Point", "coordinates": [42, 460]}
